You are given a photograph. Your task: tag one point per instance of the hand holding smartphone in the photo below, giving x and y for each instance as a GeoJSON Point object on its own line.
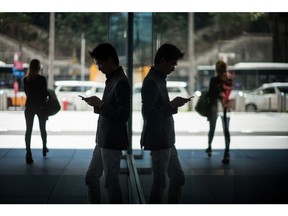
{"type": "Point", "coordinates": [189, 98]}
{"type": "Point", "coordinates": [179, 101]}
{"type": "Point", "coordinates": [82, 97]}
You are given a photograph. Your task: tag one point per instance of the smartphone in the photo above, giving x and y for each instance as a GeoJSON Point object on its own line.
{"type": "Point", "coordinates": [189, 98]}
{"type": "Point", "coordinates": [83, 98]}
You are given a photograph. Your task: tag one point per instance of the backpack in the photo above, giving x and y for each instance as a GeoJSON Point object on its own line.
{"type": "Point", "coordinates": [203, 104]}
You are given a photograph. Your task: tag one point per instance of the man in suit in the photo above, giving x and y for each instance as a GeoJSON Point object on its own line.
{"type": "Point", "coordinates": [112, 131]}
{"type": "Point", "coordinates": [158, 134]}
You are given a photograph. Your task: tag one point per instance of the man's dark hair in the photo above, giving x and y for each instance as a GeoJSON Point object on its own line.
{"type": "Point", "coordinates": [104, 51]}
{"type": "Point", "coordinates": [169, 52]}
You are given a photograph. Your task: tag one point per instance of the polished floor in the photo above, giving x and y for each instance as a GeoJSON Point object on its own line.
{"type": "Point", "coordinates": [252, 177]}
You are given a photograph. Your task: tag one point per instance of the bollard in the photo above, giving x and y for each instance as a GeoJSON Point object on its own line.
{"type": "Point", "coordinates": [240, 103]}
{"type": "Point", "coordinates": [282, 102]}
{"type": "Point", "coordinates": [3, 100]}
{"type": "Point", "coordinates": [269, 104]}
{"type": "Point", "coordinates": [279, 103]}
{"type": "Point", "coordinates": [285, 102]}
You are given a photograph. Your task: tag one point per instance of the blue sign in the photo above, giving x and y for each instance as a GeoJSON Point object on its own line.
{"type": "Point", "coordinates": [17, 72]}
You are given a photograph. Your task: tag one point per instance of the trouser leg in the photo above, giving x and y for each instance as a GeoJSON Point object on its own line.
{"type": "Point", "coordinates": [93, 175]}
{"type": "Point", "coordinates": [160, 160]}
{"type": "Point", "coordinates": [111, 163]}
{"type": "Point", "coordinates": [42, 125]}
{"type": "Point", "coordinates": [29, 117]}
{"type": "Point", "coordinates": [225, 124]}
{"type": "Point", "coordinates": [212, 126]}
{"type": "Point", "coordinates": [177, 177]}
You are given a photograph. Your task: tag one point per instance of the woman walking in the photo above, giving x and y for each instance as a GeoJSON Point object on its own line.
{"type": "Point", "coordinates": [35, 87]}
{"type": "Point", "coordinates": [219, 91]}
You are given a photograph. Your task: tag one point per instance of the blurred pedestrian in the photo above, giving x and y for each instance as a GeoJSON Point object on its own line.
{"type": "Point", "coordinates": [158, 134]}
{"type": "Point", "coordinates": [112, 131]}
{"type": "Point", "coordinates": [35, 87]}
{"type": "Point", "coordinates": [219, 91]}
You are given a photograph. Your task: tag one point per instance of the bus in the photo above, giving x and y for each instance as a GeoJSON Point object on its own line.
{"type": "Point", "coordinates": [248, 75]}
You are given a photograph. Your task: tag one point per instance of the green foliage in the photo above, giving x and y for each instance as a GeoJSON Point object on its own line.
{"type": "Point", "coordinates": [230, 24]}
{"type": "Point", "coordinates": [68, 29]}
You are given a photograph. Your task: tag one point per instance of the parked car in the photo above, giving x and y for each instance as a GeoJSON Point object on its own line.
{"type": "Point", "coordinates": [68, 92]}
{"type": "Point", "coordinates": [265, 98]}
{"type": "Point", "coordinates": [174, 89]}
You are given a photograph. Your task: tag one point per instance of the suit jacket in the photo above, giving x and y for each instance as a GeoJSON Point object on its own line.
{"type": "Point", "coordinates": [158, 129]}
{"type": "Point", "coordinates": [112, 130]}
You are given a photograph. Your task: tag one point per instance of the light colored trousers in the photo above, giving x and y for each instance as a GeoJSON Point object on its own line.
{"type": "Point", "coordinates": [165, 162]}
{"type": "Point", "coordinates": [107, 160]}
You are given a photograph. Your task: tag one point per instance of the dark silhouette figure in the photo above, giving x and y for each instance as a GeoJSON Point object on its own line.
{"type": "Point", "coordinates": [219, 91]}
{"type": "Point", "coordinates": [112, 131]}
{"type": "Point", "coordinates": [158, 134]}
{"type": "Point", "coordinates": [35, 87]}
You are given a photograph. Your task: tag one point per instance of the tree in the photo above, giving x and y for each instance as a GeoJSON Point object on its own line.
{"type": "Point", "coordinates": [230, 24]}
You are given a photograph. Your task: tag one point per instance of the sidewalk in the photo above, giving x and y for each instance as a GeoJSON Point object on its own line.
{"type": "Point", "coordinates": [257, 173]}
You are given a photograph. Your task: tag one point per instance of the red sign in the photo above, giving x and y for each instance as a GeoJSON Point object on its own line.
{"type": "Point", "coordinates": [18, 65]}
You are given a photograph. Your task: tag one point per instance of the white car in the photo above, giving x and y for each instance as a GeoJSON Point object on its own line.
{"type": "Point", "coordinates": [174, 88]}
{"type": "Point", "coordinates": [265, 98]}
{"type": "Point", "coordinates": [68, 92]}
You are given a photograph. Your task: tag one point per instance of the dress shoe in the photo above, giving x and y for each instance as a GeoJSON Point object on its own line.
{"type": "Point", "coordinates": [226, 159]}
{"type": "Point", "coordinates": [208, 151]}
{"type": "Point", "coordinates": [45, 151]}
{"type": "Point", "coordinates": [29, 159]}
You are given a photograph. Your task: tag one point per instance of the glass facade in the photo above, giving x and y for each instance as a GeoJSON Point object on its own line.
{"type": "Point", "coordinates": [142, 41]}
{"type": "Point", "coordinates": [141, 54]}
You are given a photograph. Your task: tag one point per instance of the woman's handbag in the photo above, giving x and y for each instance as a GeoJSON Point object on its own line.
{"type": "Point", "coordinates": [52, 104]}
{"type": "Point", "coordinates": [203, 104]}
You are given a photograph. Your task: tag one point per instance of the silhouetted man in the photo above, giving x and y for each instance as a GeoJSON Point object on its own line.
{"type": "Point", "coordinates": [158, 133]}
{"type": "Point", "coordinates": [112, 132]}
